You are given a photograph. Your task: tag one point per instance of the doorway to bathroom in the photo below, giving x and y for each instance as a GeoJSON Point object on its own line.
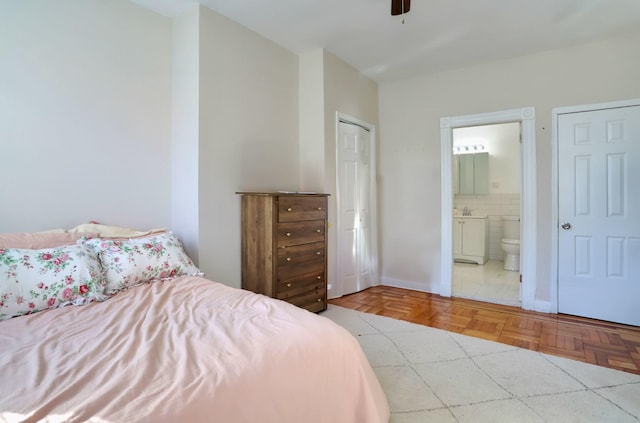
{"type": "Point", "coordinates": [525, 118]}
{"type": "Point", "coordinates": [486, 213]}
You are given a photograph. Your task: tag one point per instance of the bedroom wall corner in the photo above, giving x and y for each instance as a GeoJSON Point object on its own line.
{"type": "Point", "coordinates": [185, 129]}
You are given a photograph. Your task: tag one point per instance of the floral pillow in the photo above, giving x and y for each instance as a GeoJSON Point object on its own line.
{"type": "Point", "coordinates": [134, 261]}
{"type": "Point", "coordinates": [34, 280]}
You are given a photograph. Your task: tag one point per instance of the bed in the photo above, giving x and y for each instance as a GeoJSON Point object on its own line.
{"type": "Point", "coordinates": [179, 348]}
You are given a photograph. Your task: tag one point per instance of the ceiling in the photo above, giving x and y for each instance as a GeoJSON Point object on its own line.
{"type": "Point", "coordinates": [436, 35]}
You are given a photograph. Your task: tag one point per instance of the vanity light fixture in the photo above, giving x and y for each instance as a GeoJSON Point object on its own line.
{"type": "Point", "coordinates": [465, 149]}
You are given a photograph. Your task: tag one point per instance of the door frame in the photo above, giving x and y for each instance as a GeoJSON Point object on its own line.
{"type": "Point", "coordinates": [555, 189]}
{"type": "Point", "coordinates": [373, 199]}
{"type": "Point", "coordinates": [528, 198]}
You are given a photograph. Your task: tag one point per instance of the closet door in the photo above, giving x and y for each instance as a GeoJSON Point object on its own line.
{"type": "Point", "coordinates": [354, 203]}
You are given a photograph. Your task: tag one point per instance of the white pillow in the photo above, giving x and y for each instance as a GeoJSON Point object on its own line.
{"type": "Point", "coordinates": [131, 262]}
{"type": "Point", "coordinates": [34, 280]}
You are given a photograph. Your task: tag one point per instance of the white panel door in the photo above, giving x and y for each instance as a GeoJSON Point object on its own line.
{"type": "Point", "coordinates": [599, 212]}
{"type": "Point", "coordinates": [354, 231]}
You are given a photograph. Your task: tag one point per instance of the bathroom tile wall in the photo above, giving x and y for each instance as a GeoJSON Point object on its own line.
{"type": "Point", "coordinates": [494, 206]}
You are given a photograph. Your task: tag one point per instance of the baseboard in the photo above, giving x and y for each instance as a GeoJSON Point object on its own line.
{"type": "Point", "coordinates": [542, 306]}
{"type": "Point", "coordinates": [399, 283]}
{"type": "Point", "coordinates": [387, 282]}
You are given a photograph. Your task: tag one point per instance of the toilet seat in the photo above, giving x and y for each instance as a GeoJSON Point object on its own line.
{"type": "Point", "coordinates": [510, 241]}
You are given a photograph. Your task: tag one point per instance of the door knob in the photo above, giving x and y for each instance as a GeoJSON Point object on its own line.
{"type": "Point", "coordinates": [566, 226]}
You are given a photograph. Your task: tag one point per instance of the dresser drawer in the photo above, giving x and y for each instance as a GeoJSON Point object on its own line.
{"type": "Point", "coordinates": [289, 271]}
{"type": "Point", "coordinates": [291, 209]}
{"type": "Point", "coordinates": [295, 233]}
{"type": "Point", "coordinates": [312, 301]}
{"type": "Point", "coordinates": [306, 283]}
{"type": "Point", "coordinates": [300, 253]}
{"type": "Point", "coordinates": [314, 306]}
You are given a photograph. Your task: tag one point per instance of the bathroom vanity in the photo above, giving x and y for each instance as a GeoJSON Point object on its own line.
{"type": "Point", "coordinates": [470, 239]}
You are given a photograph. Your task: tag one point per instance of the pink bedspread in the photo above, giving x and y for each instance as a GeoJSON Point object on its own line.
{"type": "Point", "coordinates": [182, 351]}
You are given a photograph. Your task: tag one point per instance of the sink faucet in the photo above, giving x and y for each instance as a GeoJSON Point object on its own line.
{"type": "Point", "coordinates": [466, 211]}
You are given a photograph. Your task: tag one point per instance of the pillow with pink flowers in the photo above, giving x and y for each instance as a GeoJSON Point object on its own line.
{"type": "Point", "coordinates": [34, 280]}
{"type": "Point", "coordinates": [135, 261]}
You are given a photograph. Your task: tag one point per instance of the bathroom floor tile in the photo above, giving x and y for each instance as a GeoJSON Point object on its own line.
{"type": "Point", "coordinates": [488, 282]}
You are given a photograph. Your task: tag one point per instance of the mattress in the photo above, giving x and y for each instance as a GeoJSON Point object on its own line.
{"type": "Point", "coordinates": [184, 350]}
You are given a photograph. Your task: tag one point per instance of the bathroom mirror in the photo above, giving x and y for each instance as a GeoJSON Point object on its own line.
{"type": "Point", "coordinates": [471, 173]}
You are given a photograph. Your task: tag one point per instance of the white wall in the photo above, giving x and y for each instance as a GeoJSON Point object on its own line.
{"type": "Point", "coordinates": [311, 118]}
{"type": "Point", "coordinates": [410, 141]}
{"type": "Point", "coordinates": [85, 106]}
{"type": "Point", "coordinates": [248, 133]}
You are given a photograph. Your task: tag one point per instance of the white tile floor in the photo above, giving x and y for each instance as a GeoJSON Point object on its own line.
{"type": "Point", "coordinates": [489, 282]}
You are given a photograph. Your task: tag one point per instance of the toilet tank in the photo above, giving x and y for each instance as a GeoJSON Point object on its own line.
{"type": "Point", "coordinates": [511, 227]}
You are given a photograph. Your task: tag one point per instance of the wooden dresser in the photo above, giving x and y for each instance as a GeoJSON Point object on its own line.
{"type": "Point", "coordinates": [284, 247]}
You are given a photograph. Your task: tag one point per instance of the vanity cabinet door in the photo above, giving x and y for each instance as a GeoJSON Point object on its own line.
{"type": "Point", "coordinates": [457, 236]}
{"type": "Point", "coordinates": [473, 237]}
{"type": "Point", "coordinates": [470, 239]}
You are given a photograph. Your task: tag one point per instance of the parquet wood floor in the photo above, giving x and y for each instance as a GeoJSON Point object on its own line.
{"type": "Point", "coordinates": [593, 341]}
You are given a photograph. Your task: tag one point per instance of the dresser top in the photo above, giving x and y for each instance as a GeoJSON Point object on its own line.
{"type": "Point", "coordinates": [305, 193]}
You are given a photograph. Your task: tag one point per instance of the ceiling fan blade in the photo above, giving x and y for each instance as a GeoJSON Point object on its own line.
{"type": "Point", "coordinates": [398, 7]}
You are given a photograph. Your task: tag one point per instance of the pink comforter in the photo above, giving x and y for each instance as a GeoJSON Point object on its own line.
{"type": "Point", "coordinates": [183, 351]}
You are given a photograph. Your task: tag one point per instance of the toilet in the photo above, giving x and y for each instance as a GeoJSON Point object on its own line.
{"type": "Point", "coordinates": [510, 242]}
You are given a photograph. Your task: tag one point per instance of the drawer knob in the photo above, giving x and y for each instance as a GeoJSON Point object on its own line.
{"type": "Point", "coordinates": [318, 277]}
{"type": "Point", "coordinates": [319, 208]}
{"type": "Point", "coordinates": [318, 253]}
{"type": "Point", "coordinates": [319, 300]}
{"type": "Point", "coordinates": [318, 230]}
{"type": "Point", "coordinates": [289, 209]}
{"type": "Point", "coordinates": [288, 285]}
{"type": "Point", "coordinates": [288, 258]}
{"type": "Point", "coordinates": [288, 234]}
